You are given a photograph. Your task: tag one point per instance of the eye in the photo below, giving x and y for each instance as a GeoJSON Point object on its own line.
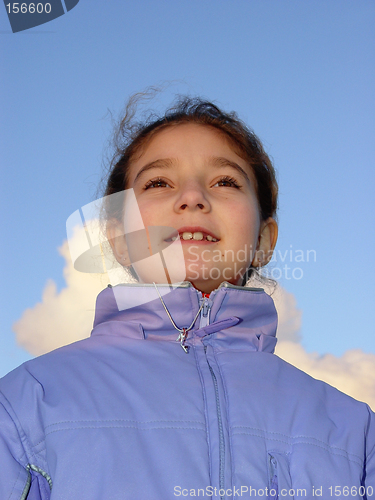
{"type": "Point", "coordinates": [156, 183]}
{"type": "Point", "coordinates": [227, 181]}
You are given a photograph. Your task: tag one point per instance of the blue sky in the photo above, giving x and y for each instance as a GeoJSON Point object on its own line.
{"type": "Point", "coordinates": [300, 73]}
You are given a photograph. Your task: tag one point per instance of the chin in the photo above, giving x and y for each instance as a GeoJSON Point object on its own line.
{"type": "Point", "coordinates": [206, 286]}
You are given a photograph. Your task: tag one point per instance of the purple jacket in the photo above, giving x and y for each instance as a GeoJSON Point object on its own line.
{"type": "Point", "coordinates": [128, 414]}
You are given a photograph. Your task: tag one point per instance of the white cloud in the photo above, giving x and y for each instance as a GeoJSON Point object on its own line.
{"type": "Point", "coordinates": [66, 316]}
{"type": "Point", "coordinates": [62, 317]}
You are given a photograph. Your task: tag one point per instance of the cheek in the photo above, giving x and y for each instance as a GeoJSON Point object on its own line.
{"type": "Point", "coordinates": [150, 211]}
{"type": "Point", "coordinates": [244, 221]}
{"type": "Point", "coordinates": [156, 214]}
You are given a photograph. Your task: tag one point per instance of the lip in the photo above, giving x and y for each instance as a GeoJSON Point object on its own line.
{"type": "Point", "coordinates": [194, 229]}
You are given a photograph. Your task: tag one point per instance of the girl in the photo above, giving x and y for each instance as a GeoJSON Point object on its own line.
{"type": "Point", "coordinates": [130, 412]}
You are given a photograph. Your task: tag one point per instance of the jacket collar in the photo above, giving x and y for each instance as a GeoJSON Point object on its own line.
{"type": "Point", "coordinates": [142, 315]}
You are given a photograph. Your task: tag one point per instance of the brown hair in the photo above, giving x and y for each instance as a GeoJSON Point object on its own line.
{"type": "Point", "coordinates": [131, 137]}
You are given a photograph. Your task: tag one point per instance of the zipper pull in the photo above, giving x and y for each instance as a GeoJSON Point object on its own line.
{"type": "Point", "coordinates": [205, 304]}
{"type": "Point", "coordinates": [205, 307]}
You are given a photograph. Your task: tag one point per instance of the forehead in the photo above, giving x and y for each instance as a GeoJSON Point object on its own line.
{"type": "Point", "coordinates": [187, 142]}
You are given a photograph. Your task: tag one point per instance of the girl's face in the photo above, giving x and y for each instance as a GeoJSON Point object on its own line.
{"type": "Point", "coordinates": [190, 179]}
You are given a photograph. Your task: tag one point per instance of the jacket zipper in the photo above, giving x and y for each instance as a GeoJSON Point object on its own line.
{"type": "Point", "coordinates": [220, 425]}
{"type": "Point", "coordinates": [274, 487]}
{"type": "Point", "coordinates": [204, 321]}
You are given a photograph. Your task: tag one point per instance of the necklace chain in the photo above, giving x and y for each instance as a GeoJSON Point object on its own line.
{"type": "Point", "coordinates": [183, 332]}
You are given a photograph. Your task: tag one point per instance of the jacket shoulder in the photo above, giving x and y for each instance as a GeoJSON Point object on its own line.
{"type": "Point", "coordinates": [315, 387]}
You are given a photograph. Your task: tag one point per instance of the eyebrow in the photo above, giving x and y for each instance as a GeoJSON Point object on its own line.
{"type": "Point", "coordinates": [217, 161]}
{"type": "Point", "coordinates": [224, 162]}
{"type": "Point", "coordinates": [162, 163]}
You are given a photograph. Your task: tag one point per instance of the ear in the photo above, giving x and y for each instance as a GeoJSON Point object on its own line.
{"type": "Point", "coordinates": [116, 238]}
{"type": "Point", "coordinates": [266, 242]}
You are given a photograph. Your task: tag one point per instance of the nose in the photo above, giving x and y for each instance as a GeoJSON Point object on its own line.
{"type": "Point", "coordinates": [192, 197]}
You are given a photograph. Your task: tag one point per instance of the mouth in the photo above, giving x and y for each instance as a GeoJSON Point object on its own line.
{"type": "Point", "coordinates": [195, 234]}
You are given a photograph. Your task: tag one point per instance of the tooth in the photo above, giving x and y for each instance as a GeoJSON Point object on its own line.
{"type": "Point", "coordinates": [209, 237]}
{"type": "Point", "coordinates": [214, 239]}
{"type": "Point", "coordinates": [198, 236]}
{"type": "Point", "coordinates": [187, 236]}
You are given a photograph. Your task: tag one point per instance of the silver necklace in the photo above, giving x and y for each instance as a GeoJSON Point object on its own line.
{"type": "Point", "coordinates": [183, 332]}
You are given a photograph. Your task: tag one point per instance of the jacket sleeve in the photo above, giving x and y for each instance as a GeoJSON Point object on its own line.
{"type": "Point", "coordinates": [15, 478]}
